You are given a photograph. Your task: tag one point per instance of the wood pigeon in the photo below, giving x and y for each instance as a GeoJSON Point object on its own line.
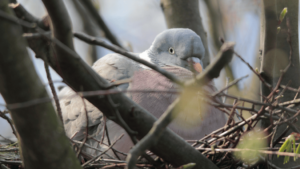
{"type": "Point", "coordinates": [179, 51]}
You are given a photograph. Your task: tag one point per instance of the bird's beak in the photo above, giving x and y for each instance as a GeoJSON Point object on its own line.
{"type": "Point", "coordinates": [196, 64]}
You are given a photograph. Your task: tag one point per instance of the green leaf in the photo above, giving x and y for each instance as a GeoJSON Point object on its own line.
{"type": "Point", "coordinates": [278, 29]}
{"type": "Point", "coordinates": [188, 166]}
{"type": "Point", "coordinates": [289, 149]}
{"type": "Point", "coordinates": [294, 141]}
{"type": "Point", "coordinates": [282, 14]}
{"type": "Point", "coordinates": [284, 146]}
{"type": "Point", "coordinates": [297, 151]}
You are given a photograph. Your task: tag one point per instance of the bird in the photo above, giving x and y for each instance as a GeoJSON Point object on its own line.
{"type": "Point", "coordinates": [177, 50]}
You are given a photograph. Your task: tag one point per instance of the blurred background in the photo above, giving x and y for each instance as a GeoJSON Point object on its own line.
{"type": "Point", "coordinates": [135, 24]}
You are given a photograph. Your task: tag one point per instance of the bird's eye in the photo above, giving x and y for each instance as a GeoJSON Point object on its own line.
{"type": "Point", "coordinates": [171, 51]}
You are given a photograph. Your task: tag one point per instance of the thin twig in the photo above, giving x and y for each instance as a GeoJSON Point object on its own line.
{"type": "Point", "coordinates": [17, 21]}
{"type": "Point", "coordinates": [58, 108]}
{"type": "Point", "coordinates": [83, 94]}
{"type": "Point", "coordinates": [86, 127]}
{"type": "Point", "coordinates": [260, 151]}
{"type": "Point", "coordinates": [229, 85]}
{"type": "Point", "coordinates": [108, 139]}
{"type": "Point", "coordinates": [10, 122]}
{"type": "Point", "coordinates": [3, 166]}
{"type": "Point", "coordinates": [230, 118]}
{"type": "Point", "coordinates": [9, 149]}
{"type": "Point", "coordinates": [296, 95]}
{"type": "Point", "coordinates": [96, 157]}
{"type": "Point", "coordinates": [256, 73]}
{"type": "Point", "coordinates": [97, 17]}
{"type": "Point", "coordinates": [123, 123]}
{"type": "Point", "coordinates": [226, 90]}
{"type": "Point", "coordinates": [88, 146]}
{"type": "Point", "coordinates": [273, 135]}
{"type": "Point", "coordinates": [104, 131]}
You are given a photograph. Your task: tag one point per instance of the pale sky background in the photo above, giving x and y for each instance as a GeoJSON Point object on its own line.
{"type": "Point", "coordinates": [138, 22]}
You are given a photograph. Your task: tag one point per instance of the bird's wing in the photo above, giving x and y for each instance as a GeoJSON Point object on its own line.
{"type": "Point", "coordinates": [195, 118]}
{"type": "Point", "coordinates": [112, 67]}
{"type": "Point", "coordinates": [73, 113]}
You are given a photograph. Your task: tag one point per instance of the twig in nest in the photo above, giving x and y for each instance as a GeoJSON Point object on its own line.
{"type": "Point", "coordinates": [230, 118]}
{"type": "Point", "coordinates": [280, 136]}
{"type": "Point", "coordinates": [233, 129]}
{"type": "Point", "coordinates": [296, 95]}
{"type": "Point", "coordinates": [226, 90]}
{"type": "Point", "coordinates": [3, 166]}
{"type": "Point", "coordinates": [289, 119]}
{"type": "Point", "coordinates": [86, 128]}
{"type": "Point", "coordinates": [229, 85]}
{"type": "Point", "coordinates": [120, 152]}
{"type": "Point", "coordinates": [91, 147]}
{"type": "Point", "coordinates": [96, 157]}
{"type": "Point", "coordinates": [2, 114]}
{"type": "Point", "coordinates": [260, 151]}
{"type": "Point", "coordinates": [252, 69]}
{"type": "Point", "coordinates": [124, 125]}
{"type": "Point", "coordinates": [122, 165]}
{"type": "Point", "coordinates": [9, 149]}
{"type": "Point", "coordinates": [127, 128]}
{"type": "Point", "coordinates": [256, 73]}
{"type": "Point", "coordinates": [104, 131]}
{"type": "Point", "coordinates": [107, 136]}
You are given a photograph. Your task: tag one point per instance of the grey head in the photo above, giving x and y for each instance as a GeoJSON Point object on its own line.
{"type": "Point", "coordinates": [175, 47]}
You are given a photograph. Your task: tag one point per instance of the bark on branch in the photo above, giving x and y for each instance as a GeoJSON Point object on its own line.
{"type": "Point", "coordinates": [42, 139]}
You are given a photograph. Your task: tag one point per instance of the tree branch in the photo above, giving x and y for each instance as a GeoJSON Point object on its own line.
{"type": "Point", "coordinates": [38, 124]}
{"type": "Point", "coordinates": [23, 14]}
{"type": "Point", "coordinates": [96, 16]}
{"type": "Point", "coordinates": [62, 27]}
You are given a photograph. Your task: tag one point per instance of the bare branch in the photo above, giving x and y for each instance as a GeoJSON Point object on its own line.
{"type": "Point", "coordinates": [22, 13]}
{"type": "Point", "coordinates": [2, 114]}
{"type": "Point", "coordinates": [62, 27]}
{"type": "Point", "coordinates": [38, 122]}
{"type": "Point", "coordinates": [58, 109]}
{"type": "Point", "coordinates": [96, 16]}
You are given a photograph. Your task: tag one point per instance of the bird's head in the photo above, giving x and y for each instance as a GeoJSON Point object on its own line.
{"type": "Point", "coordinates": [179, 47]}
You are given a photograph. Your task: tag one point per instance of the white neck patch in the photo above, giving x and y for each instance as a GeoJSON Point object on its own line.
{"type": "Point", "coordinates": [145, 56]}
